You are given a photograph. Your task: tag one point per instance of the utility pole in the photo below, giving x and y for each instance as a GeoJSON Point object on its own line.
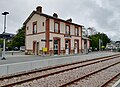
{"type": "Point", "coordinates": [87, 41]}
{"type": "Point", "coordinates": [3, 55]}
{"type": "Point", "coordinates": [99, 44]}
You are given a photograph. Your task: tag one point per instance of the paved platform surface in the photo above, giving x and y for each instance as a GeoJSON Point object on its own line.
{"type": "Point", "coordinates": [16, 58]}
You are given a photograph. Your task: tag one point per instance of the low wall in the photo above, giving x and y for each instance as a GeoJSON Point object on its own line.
{"type": "Point", "coordinates": [25, 66]}
{"type": "Point", "coordinates": [30, 65]}
{"type": "Point", "coordinates": [117, 84]}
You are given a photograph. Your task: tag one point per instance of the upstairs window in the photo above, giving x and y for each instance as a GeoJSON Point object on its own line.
{"type": "Point", "coordinates": [67, 30]}
{"type": "Point", "coordinates": [76, 31]}
{"type": "Point", "coordinates": [56, 28]}
{"type": "Point", "coordinates": [27, 28]}
{"type": "Point", "coordinates": [34, 27]}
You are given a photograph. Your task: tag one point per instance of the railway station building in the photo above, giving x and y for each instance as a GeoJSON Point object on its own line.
{"type": "Point", "coordinates": [52, 35]}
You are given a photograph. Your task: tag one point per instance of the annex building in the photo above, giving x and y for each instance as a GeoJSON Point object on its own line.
{"type": "Point", "coordinates": [52, 35]}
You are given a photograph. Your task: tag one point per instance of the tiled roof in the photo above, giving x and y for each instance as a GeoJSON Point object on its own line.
{"type": "Point", "coordinates": [48, 16]}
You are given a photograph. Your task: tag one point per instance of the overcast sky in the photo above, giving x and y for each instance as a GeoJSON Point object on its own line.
{"type": "Point", "coordinates": [103, 15]}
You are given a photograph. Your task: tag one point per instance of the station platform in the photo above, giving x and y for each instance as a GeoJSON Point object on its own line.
{"type": "Point", "coordinates": [19, 63]}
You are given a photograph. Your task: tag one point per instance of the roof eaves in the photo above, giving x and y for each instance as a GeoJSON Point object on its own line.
{"type": "Point", "coordinates": [30, 16]}
{"type": "Point", "coordinates": [42, 14]}
{"type": "Point", "coordinates": [48, 16]}
{"type": "Point", "coordinates": [85, 38]}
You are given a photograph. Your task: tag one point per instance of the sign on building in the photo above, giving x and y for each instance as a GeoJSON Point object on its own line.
{"type": "Point", "coordinates": [44, 49]}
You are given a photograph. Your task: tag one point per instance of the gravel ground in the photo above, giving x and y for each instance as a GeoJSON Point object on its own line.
{"type": "Point", "coordinates": [61, 78]}
{"type": "Point", "coordinates": [113, 82]}
{"type": "Point", "coordinates": [99, 78]}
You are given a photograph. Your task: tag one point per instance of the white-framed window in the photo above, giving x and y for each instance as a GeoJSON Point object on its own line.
{"type": "Point", "coordinates": [67, 30]}
{"type": "Point", "coordinates": [76, 31]}
{"type": "Point", "coordinates": [56, 29]}
{"type": "Point", "coordinates": [34, 27]}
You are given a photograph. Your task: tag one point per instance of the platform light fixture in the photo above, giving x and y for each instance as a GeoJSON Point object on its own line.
{"type": "Point", "coordinates": [3, 53]}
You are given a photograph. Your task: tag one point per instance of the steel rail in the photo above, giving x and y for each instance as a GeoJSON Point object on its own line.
{"type": "Point", "coordinates": [110, 80]}
{"type": "Point", "coordinates": [76, 80]}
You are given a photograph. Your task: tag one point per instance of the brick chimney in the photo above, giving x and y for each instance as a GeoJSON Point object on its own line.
{"type": "Point", "coordinates": [39, 9]}
{"type": "Point", "coordinates": [55, 15]}
{"type": "Point", "coordinates": [69, 20]}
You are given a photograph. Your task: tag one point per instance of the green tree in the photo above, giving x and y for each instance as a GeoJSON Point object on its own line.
{"type": "Point", "coordinates": [95, 40]}
{"type": "Point", "coordinates": [19, 39]}
{"type": "Point", "coordinates": [1, 42]}
{"type": "Point", "coordinates": [7, 44]}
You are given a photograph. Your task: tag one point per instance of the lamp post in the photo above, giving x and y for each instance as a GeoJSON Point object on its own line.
{"type": "Point", "coordinates": [3, 55]}
{"type": "Point", "coordinates": [87, 41]}
{"type": "Point", "coordinates": [99, 44]}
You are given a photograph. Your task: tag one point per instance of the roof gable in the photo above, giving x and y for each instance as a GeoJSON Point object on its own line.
{"type": "Point", "coordinates": [48, 16]}
{"type": "Point", "coordinates": [30, 16]}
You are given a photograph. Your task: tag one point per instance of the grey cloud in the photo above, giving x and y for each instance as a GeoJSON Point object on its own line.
{"type": "Point", "coordinates": [19, 10]}
{"type": "Point", "coordinates": [104, 15]}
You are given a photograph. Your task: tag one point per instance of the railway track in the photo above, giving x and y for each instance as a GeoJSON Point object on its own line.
{"type": "Point", "coordinates": [39, 76]}
{"type": "Point", "coordinates": [112, 81]}
{"type": "Point", "coordinates": [98, 78]}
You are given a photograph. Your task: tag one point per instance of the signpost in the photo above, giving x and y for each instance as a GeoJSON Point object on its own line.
{"type": "Point", "coordinates": [43, 40]}
{"type": "Point", "coordinates": [67, 36]}
{"type": "Point", "coordinates": [45, 49]}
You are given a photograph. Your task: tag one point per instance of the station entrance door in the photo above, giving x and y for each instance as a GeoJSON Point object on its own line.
{"type": "Point", "coordinates": [67, 47]}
